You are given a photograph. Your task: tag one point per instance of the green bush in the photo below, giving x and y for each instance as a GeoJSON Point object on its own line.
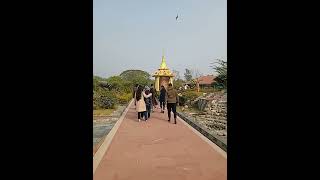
{"type": "Point", "coordinates": [182, 100]}
{"type": "Point", "coordinates": [108, 92]}
{"type": "Point", "coordinates": [104, 100]}
{"type": "Point", "coordinates": [191, 95]}
{"type": "Point", "coordinates": [188, 95]}
{"type": "Point", "coordinates": [124, 98]}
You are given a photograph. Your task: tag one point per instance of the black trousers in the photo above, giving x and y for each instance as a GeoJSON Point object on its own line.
{"type": "Point", "coordinates": [172, 107]}
{"type": "Point", "coordinates": [148, 112]}
{"type": "Point", "coordinates": [141, 114]}
{"type": "Point", "coordinates": [162, 104]}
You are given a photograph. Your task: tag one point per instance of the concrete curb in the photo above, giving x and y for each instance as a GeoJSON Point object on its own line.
{"type": "Point", "coordinates": [107, 140]}
{"type": "Point", "coordinates": [215, 139]}
{"type": "Point", "coordinates": [213, 145]}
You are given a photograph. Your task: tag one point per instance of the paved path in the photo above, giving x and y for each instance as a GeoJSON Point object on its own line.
{"type": "Point", "coordinates": [159, 150]}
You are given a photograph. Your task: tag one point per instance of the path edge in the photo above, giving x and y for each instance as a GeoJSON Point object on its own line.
{"type": "Point", "coordinates": [204, 138]}
{"type": "Point", "coordinates": [108, 139]}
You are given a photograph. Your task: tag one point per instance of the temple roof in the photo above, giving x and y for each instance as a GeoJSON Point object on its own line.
{"type": "Point", "coordinates": [163, 70]}
{"type": "Point", "coordinates": [163, 63]}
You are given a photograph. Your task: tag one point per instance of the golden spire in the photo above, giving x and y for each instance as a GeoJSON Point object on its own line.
{"type": "Point", "coordinates": [163, 62]}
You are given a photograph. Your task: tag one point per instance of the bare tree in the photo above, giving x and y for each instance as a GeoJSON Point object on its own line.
{"type": "Point", "coordinates": [176, 74]}
{"type": "Point", "coordinates": [196, 74]}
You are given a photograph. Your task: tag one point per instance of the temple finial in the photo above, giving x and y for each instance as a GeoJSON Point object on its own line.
{"type": "Point", "coordinates": [163, 62]}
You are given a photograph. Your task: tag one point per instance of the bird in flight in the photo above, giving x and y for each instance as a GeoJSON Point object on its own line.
{"type": "Point", "coordinates": [177, 17]}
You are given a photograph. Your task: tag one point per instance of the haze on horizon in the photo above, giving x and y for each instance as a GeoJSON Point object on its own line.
{"type": "Point", "coordinates": [132, 35]}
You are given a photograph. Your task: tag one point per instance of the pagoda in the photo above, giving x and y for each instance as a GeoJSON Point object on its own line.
{"type": "Point", "coordinates": [163, 75]}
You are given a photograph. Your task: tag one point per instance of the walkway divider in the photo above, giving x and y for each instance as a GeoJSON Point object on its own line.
{"type": "Point", "coordinates": [108, 139]}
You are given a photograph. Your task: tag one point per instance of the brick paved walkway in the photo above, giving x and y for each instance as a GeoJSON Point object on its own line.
{"type": "Point", "coordinates": [159, 150]}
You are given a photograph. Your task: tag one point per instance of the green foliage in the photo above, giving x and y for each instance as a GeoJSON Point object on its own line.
{"type": "Point", "coordinates": [96, 81]}
{"type": "Point", "coordinates": [208, 90]}
{"type": "Point", "coordinates": [136, 77]}
{"type": "Point", "coordinates": [221, 69]}
{"type": "Point", "coordinates": [188, 95]}
{"type": "Point", "coordinates": [97, 78]}
{"type": "Point", "coordinates": [182, 100]}
{"type": "Point", "coordinates": [191, 95]}
{"type": "Point", "coordinates": [218, 84]}
{"type": "Point", "coordinates": [124, 98]}
{"type": "Point", "coordinates": [117, 89]}
{"type": "Point", "coordinates": [178, 83]}
{"type": "Point", "coordinates": [188, 75]}
{"type": "Point", "coordinates": [103, 112]}
{"type": "Point", "coordinates": [119, 84]}
{"type": "Point", "coordinates": [104, 100]}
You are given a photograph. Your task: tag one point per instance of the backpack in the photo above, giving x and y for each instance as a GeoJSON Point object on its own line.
{"type": "Point", "coordinates": [147, 101]}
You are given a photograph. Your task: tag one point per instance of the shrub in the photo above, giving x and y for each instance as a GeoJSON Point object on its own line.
{"type": "Point", "coordinates": [188, 95]}
{"type": "Point", "coordinates": [124, 97]}
{"type": "Point", "coordinates": [182, 100]}
{"type": "Point", "coordinates": [104, 100]}
{"type": "Point", "coordinates": [191, 95]}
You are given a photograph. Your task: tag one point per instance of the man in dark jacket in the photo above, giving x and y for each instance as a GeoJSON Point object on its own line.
{"type": "Point", "coordinates": [172, 101]}
{"type": "Point", "coordinates": [162, 98]}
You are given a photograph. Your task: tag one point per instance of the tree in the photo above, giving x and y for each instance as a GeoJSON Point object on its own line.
{"type": "Point", "coordinates": [119, 84]}
{"type": "Point", "coordinates": [178, 83]}
{"type": "Point", "coordinates": [176, 74]}
{"type": "Point", "coordinates": [102, 96]}
{"type": "Point", "coordinates": [221, 70]}
{"type": "Point", "coordinates": [196, 74]}
{"type": "Point", "coordinates": [188, 75]}
{"type": "Point", "coordinates": [98, 83]}
{"type": "Point", "coordinates": [136, 77]}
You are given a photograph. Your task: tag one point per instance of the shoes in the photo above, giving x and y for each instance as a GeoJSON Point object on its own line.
{"type": "Point", "coordinates": [139, 120]}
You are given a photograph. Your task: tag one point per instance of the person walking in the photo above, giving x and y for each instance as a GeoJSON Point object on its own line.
{"type": "Point", "coordinates": [154, 101]}
{"type": "Point", "coordinates": [134, 90]}
{"type": "Point", "coordinates": [141, 105]}
{"type": "Point", "coordinates": [148, 102]}
{"type": "Point", "coordinates": [172, 101]}
{"type": "Point", "coordinates": [162, 98]}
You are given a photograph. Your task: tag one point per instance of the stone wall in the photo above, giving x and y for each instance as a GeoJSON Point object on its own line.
{"type": "Point", "coordinates": [218, 140]}
{"type": "Point", "coordinates": [211, 121]}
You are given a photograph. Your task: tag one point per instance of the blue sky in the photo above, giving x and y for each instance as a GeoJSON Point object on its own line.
{"type": "Point", "coordinates": [131, 34]}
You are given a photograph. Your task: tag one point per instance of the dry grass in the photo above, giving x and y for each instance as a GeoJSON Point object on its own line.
{"type": "Point", "coordinates": [103, 112]}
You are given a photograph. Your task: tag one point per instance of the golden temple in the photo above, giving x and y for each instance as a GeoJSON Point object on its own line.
{"type": "Point", "coordinates": [163, 75]}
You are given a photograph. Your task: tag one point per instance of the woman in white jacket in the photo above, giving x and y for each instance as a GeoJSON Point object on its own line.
{"type": "Point", "coordinates": [140, 104]}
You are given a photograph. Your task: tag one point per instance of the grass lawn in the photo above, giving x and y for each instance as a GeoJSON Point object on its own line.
{"type": "Point", "coordinates": [103, 112]}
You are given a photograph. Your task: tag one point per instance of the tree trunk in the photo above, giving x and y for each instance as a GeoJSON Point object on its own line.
{"type": "Point", "coordinates": [198, 86]}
